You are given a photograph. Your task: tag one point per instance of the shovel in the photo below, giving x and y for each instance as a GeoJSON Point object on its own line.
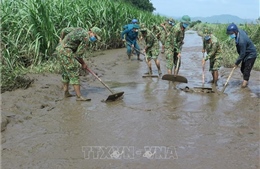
{"type": "Point", "coordinates": [146, 61]}
{"type": "Point", "coordinates": [203, 78]}
{"type": "Point", "coordinates": [225, 85]}
{"type": "Point", "coordinates": [111, 97]}
{"type": "Point", "coordinates": [135, 49]}
{"type": "Point", "coordinates": [144, 76]}
{"type": "Point", "coordinates": [175, 77]}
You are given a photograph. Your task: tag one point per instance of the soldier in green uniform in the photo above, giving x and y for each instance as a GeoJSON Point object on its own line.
{"type": "Point", "coordinates": [151, 49]}
{"type": "Point", "coordinates": [213, 49]}
{"type": "Point", "coordinates": [140, 36]}
{"type": "Point", "coordinates": [157, 31]}
{"type": "Point", "coordinates": [66, 31]}
{"type": "Point", "coordinates": [163, 34]}
{"type": "Point", "coordinates": [73, 44]}
{"type": "Point", "coordinates": [169, 45]}
{"type": "Point", "coordinates": [179, 37]}
{"type": "Point", "coordinates": [63, 33]}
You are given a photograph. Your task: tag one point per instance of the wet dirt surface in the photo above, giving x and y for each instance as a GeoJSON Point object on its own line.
{"type": "Point", "coordinates": [155, 125]}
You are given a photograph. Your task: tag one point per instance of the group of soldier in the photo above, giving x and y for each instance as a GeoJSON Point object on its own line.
{"type": "Point", "coordinates": [246, 50]}
{"type": "Point", "coordinates": [75, 41]}
{"type": "Point", "coordinates": [170, 35]}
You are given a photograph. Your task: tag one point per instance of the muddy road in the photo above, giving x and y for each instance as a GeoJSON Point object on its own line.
{"type": "Point", "coordinates": [156, 124]}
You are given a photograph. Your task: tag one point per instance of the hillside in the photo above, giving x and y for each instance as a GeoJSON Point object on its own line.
{"type": "Point", "coordinates": [225, 18]}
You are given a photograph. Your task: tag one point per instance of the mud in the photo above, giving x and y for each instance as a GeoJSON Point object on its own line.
{"type": "Point", "coordinates": [155, 125]}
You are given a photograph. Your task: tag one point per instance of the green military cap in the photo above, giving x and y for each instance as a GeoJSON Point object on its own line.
{"type": "Point", "coordinates": [96, 31]}
{"type": "Point", "coordinates": [144, 30]}
{"type": "Point", "coordinates": [185, 19]}
{"type": "Point", "coordinates": [142, 26]}
{"type": "Point", "coordinates": [207, 31]}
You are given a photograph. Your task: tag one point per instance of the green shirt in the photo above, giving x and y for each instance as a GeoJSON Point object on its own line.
{"type": "Point", "coordinates": [77, 41]}
{"type": "Point", "coordinates": [213, 49]}
{"type": "Point", "coordinates": [151, 41]}
{"type": "Point", "coordinates": [170, 37]}
{"type": "Point", "coordinates": [179, 37]}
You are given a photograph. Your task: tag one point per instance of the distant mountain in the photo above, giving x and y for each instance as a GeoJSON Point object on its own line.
{"type": "Point", "coordinates": [225, 18]}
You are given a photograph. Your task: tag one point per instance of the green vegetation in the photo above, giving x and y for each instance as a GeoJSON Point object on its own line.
{"type": "Point", "coordinates": [30, 31]}
{"type": "Point", "coordinates": [144, 5]}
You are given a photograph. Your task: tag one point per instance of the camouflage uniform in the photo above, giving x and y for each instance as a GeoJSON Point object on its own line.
{"type": "Point", "coordinates": [73, 45]}
{"type": "Point", "coordinates": [159, 32]}
{"type": "Point", "coordinates": [213, 50]}
{"type": "Point", "coordinates": [152, 46]}
{"type": "Point", "coordinates": [169, 46]}
{"type": "Point", "coordinates": [179, 37]}
{"type": "Point", "coordinates": [163, 31]}
{"type": "Point", "coordinates": [156, 31]}
{"type": "Point", "coordinates": [66, 31]}
{"type": "Point", "coordinates": [63, 33]}
{"type": "Point", "coordinates": [162, 34]}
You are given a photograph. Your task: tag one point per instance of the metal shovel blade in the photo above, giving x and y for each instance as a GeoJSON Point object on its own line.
{"type": "Point", "coordinates": [203, 88]}
{"type": "Point", "coordinates": [114, 96]}
{"type": "Point", "coordinates": [174, 78]}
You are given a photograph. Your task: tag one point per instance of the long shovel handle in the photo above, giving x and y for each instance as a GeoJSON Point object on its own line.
{"type": "Point", "coordinates": [225, 85]}
{"type": "Point", "coordinates": [177, 66]}
{"type": "Point", "coordinates": [95, 76]}
{"type": "Point", "coordinates": [136, 49]}
{"type": "Point", "coordinates": [203, 70]}
{"type": "Point", "coordinates": [99, 79]}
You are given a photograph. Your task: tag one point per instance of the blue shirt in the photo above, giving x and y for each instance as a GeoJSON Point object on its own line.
{"type": "Point", "coordinates": [245, 47]}
{"type": "Point", "coordinates": [131, 35]}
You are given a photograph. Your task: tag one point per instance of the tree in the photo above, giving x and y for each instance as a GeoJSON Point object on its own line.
{"type": "Point", "coordinates": [144, 5]}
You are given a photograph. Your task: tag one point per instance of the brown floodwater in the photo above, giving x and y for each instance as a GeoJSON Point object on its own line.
{"type": "Point", "coordinates": [156, 125]}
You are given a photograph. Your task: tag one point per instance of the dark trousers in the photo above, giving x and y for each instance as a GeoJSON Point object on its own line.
{"type": "Point", "coordinates": [246, 68]}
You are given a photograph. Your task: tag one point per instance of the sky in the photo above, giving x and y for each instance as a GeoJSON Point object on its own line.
{"type": "Point", "coordinates": [245, 9]}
